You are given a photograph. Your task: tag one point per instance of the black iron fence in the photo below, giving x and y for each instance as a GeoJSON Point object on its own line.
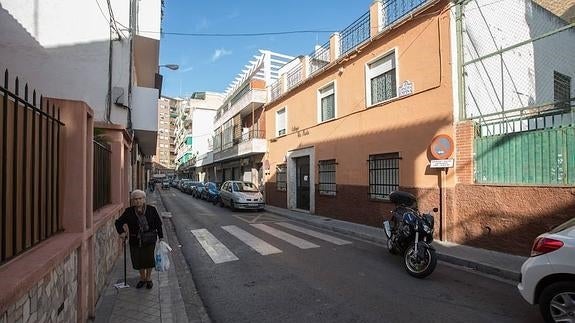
{"type": "Point", "coordinates": [30, 130]}
{"type": "Point", "coordinates": [102, 174]}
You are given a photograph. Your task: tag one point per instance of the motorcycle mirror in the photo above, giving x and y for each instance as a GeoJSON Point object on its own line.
{"type": "Point", "coordinates": [435, 209]}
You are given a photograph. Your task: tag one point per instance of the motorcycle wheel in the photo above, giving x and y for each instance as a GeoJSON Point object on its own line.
{"type": "Point", "coordinates": [419, 269]}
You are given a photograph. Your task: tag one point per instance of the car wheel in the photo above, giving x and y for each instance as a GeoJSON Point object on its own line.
{"type": "Point", "coordinates": [557, 302]}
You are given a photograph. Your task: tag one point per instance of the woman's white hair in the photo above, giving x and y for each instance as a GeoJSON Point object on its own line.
{"type": "Point", "coordinates": [137, 193]}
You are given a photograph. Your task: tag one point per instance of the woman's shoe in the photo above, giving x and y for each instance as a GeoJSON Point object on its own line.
{"type": "Point", "coordinates": [149, 284]}
{"type": "Point", "coordinates": [140, 284]}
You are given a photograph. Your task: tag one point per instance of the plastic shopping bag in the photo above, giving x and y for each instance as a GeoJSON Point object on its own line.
{"type": "Point", "coordinates": [161, 256]}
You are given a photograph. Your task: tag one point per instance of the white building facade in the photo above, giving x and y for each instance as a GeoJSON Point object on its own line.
{"type": "Point", "coordinates": [194, 129]}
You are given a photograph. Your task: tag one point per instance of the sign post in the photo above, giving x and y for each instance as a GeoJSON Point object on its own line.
{"type": "Point", "coordinates": [441, 149]}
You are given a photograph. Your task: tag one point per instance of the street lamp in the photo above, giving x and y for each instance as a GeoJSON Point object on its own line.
{"type": "Point", "coordinates": [173, 67]}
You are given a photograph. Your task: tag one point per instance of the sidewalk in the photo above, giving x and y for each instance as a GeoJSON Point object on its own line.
{"type": "Point", "coordinates": [490, 262]}
{"type": "Point", "coordinates": [163, 303]}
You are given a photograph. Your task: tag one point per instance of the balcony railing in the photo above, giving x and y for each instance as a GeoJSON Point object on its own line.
{"type": "Point", "coordinates": [394, 10]}
{"type": "Point", "coordinates": [355, 34]}
{"type": "Point", "coordinates": [251, 96]}
{"type": "Point", "coordinates": [295, 76]}
{"type": "Point", "coordinates": [319, 58]}
{"type": "Point", "coordinates": [350, 38]}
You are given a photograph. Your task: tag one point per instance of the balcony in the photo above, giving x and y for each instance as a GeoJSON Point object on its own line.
{"type": "Point", "coordinates": [253, 99]}
{"type": "Point", "coordinates": [250, 143]}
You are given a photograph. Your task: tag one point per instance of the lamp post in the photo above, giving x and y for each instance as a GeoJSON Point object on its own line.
{"type": "Point", "coordinates": [173, 67]}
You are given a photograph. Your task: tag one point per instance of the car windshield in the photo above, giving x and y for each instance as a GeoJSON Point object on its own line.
{"type": "Point", "coordinates": [211, 186]}
{"type": "Point", "coordinates": [245, 187]}
{"type": "Point", "coordinates": [563, 226]}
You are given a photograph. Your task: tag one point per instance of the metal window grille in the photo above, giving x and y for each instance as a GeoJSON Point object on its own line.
{"type": "Point", "coordinates": [281, 177]}
{"type": "Point", "coordinates": [561, 90]}
{"type": "Point", "coordinates": [102, 174]}
{"type": "Point", "coordinates": [30, 187]}
{"type": "Point", "coordinates": [327, 183]}
{"type": "Point", "coordinates": [383, 175]}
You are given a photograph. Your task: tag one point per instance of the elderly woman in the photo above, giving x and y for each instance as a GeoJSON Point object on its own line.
{"type": "Point", "coordinates": [144, 226]}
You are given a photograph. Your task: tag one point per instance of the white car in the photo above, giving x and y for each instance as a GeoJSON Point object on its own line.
{"type": "Point", "coordinates": [548, 276]}
{"type": "Point", "coordinates": [241, 195]}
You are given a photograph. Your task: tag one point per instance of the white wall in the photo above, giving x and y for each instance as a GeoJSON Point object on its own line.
{"type": "Point", "coordinates": [62, 48]}
{"type": "Point", "coordinates": [202, 129]}
{"type": "Point", "coordinates": [145, 109]}
{"type": "Point", "coordinates": [522, 76]}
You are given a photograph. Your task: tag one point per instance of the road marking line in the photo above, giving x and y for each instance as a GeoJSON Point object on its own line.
{"type": "Point", "coordinates": [316, 234]}
{"type": "Point", "coordinates": [255, 219]}
{"type": "Point", "coordinates": [300, 243]}
{"type": "Point", "coordinates": [260, 246]}
{"type": "Point", "coordinates": [213, 247]}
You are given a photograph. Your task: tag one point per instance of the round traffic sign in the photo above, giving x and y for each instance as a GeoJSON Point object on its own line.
{"type": "Point", "coordinates": [441, 146]}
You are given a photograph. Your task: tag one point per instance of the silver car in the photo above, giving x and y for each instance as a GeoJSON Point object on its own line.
{"type": "Point", "coordinates": [241, 195]}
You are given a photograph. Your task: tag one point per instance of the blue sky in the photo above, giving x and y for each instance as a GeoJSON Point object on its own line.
{"type": "Point", "coordinates": [211, 63]}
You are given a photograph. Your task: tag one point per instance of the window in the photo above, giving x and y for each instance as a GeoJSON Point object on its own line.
{"type": "Point", "coordinates": [281, 177]}
{"type": "Point", "coordinates": [381, 80]}
{"type": "Point", "coordinates": [326, 103]}
{"type": "Point", "coordinates": [561, 90]}
{"type": "Point", "coordinates": [281, 122]}
{"type": "Point", "coordinates": [227, 136]}
{"type": "Point", "coordinates": [383, 175]}
{"type": "Point", "coordinates": [327, 184]}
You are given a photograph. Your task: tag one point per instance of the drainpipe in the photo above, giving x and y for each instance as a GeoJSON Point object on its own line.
{"type": "Point", "coordinates": [460, 68]}
{"type": "Point", "coordinates": [131, 27]}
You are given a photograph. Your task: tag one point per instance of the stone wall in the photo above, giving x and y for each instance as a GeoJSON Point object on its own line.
{"type": "Point", "coordinates": [52, 299]}
{"type": "Point", "coordinates": [107, 251]}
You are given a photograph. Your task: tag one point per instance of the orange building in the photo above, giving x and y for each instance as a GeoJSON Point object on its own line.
{"type": "Point", "coordinates": [352, 121]}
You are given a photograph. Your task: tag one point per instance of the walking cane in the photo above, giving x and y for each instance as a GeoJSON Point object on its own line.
{"type": "Point", "coordinates": [123, 284]}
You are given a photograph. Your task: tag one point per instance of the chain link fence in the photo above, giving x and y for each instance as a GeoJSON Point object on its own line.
{"type": "Point", "coordinates": [518, 66]}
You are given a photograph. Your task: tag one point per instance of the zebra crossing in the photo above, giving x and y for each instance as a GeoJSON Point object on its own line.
{"type": "Point", "coordinates": [219, 253]}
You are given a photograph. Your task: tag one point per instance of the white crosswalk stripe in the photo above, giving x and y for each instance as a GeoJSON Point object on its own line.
{"type": "Point", "coordinates": [300, 243]}
{"type": "Point", "coordinates": [252, 241]}
{"type": "Point", "coordinates": [213, 247]}
{"type": "Point", "coordinates": [315, 234]}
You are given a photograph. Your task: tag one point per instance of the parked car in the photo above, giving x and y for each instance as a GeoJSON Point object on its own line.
{"type": "Point", "coordinates": [241, 195]}
{"type": "Point", "coordinates": [197, 191]}
{"type": "Point", "coordinates": [190, 187]}
{"type": "Point", "coordinates": [211, 192]}
{"type": "Point", "coordinates": [166, 185]}
{"type": "Point", "coordinates": [548, 276]}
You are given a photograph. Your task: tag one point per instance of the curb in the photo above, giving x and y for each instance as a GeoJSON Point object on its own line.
{"type": "Point", "coordinates": [380, 238]}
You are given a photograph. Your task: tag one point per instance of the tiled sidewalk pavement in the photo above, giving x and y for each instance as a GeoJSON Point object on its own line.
{"type": "Point", "coordinates": [163, 303]}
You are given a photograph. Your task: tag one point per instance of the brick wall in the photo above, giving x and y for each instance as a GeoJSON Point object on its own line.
{"type": "Point", "coordinates": [275, 197]}
{"type": "Point", "coordinates": [464, 134]}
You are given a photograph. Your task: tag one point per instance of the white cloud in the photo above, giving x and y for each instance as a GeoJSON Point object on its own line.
{"type": "Point", "coordinates": [187, 69]}
{"type": "Point", "coordinates": [219, 53]}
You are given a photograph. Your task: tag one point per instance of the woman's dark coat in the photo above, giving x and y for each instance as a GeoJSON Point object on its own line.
{"type": "Point", "coordinates": [131, 218]}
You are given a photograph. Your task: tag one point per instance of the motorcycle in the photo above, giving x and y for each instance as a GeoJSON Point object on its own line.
{"type": "Point", "coordinates": [410, 233]}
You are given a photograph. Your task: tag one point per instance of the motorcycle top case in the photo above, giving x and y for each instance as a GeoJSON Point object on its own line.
{"type": "Point", "coordinates": [402, 198]}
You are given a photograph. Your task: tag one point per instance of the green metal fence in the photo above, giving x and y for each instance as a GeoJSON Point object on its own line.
{"type": "Point", "coordinates": [536, 157]}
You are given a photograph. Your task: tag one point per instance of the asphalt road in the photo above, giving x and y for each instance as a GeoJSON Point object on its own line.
{"type": "Point", "coordinates": [355, 282]}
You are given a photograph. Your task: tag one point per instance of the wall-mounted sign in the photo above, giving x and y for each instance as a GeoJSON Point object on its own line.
{"type": "Point", "coordinates": [406, 88]}
{"type": "Point", "coordinates": [441, 147]}
{"type": "Point", "coordinates": [442, 163]}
